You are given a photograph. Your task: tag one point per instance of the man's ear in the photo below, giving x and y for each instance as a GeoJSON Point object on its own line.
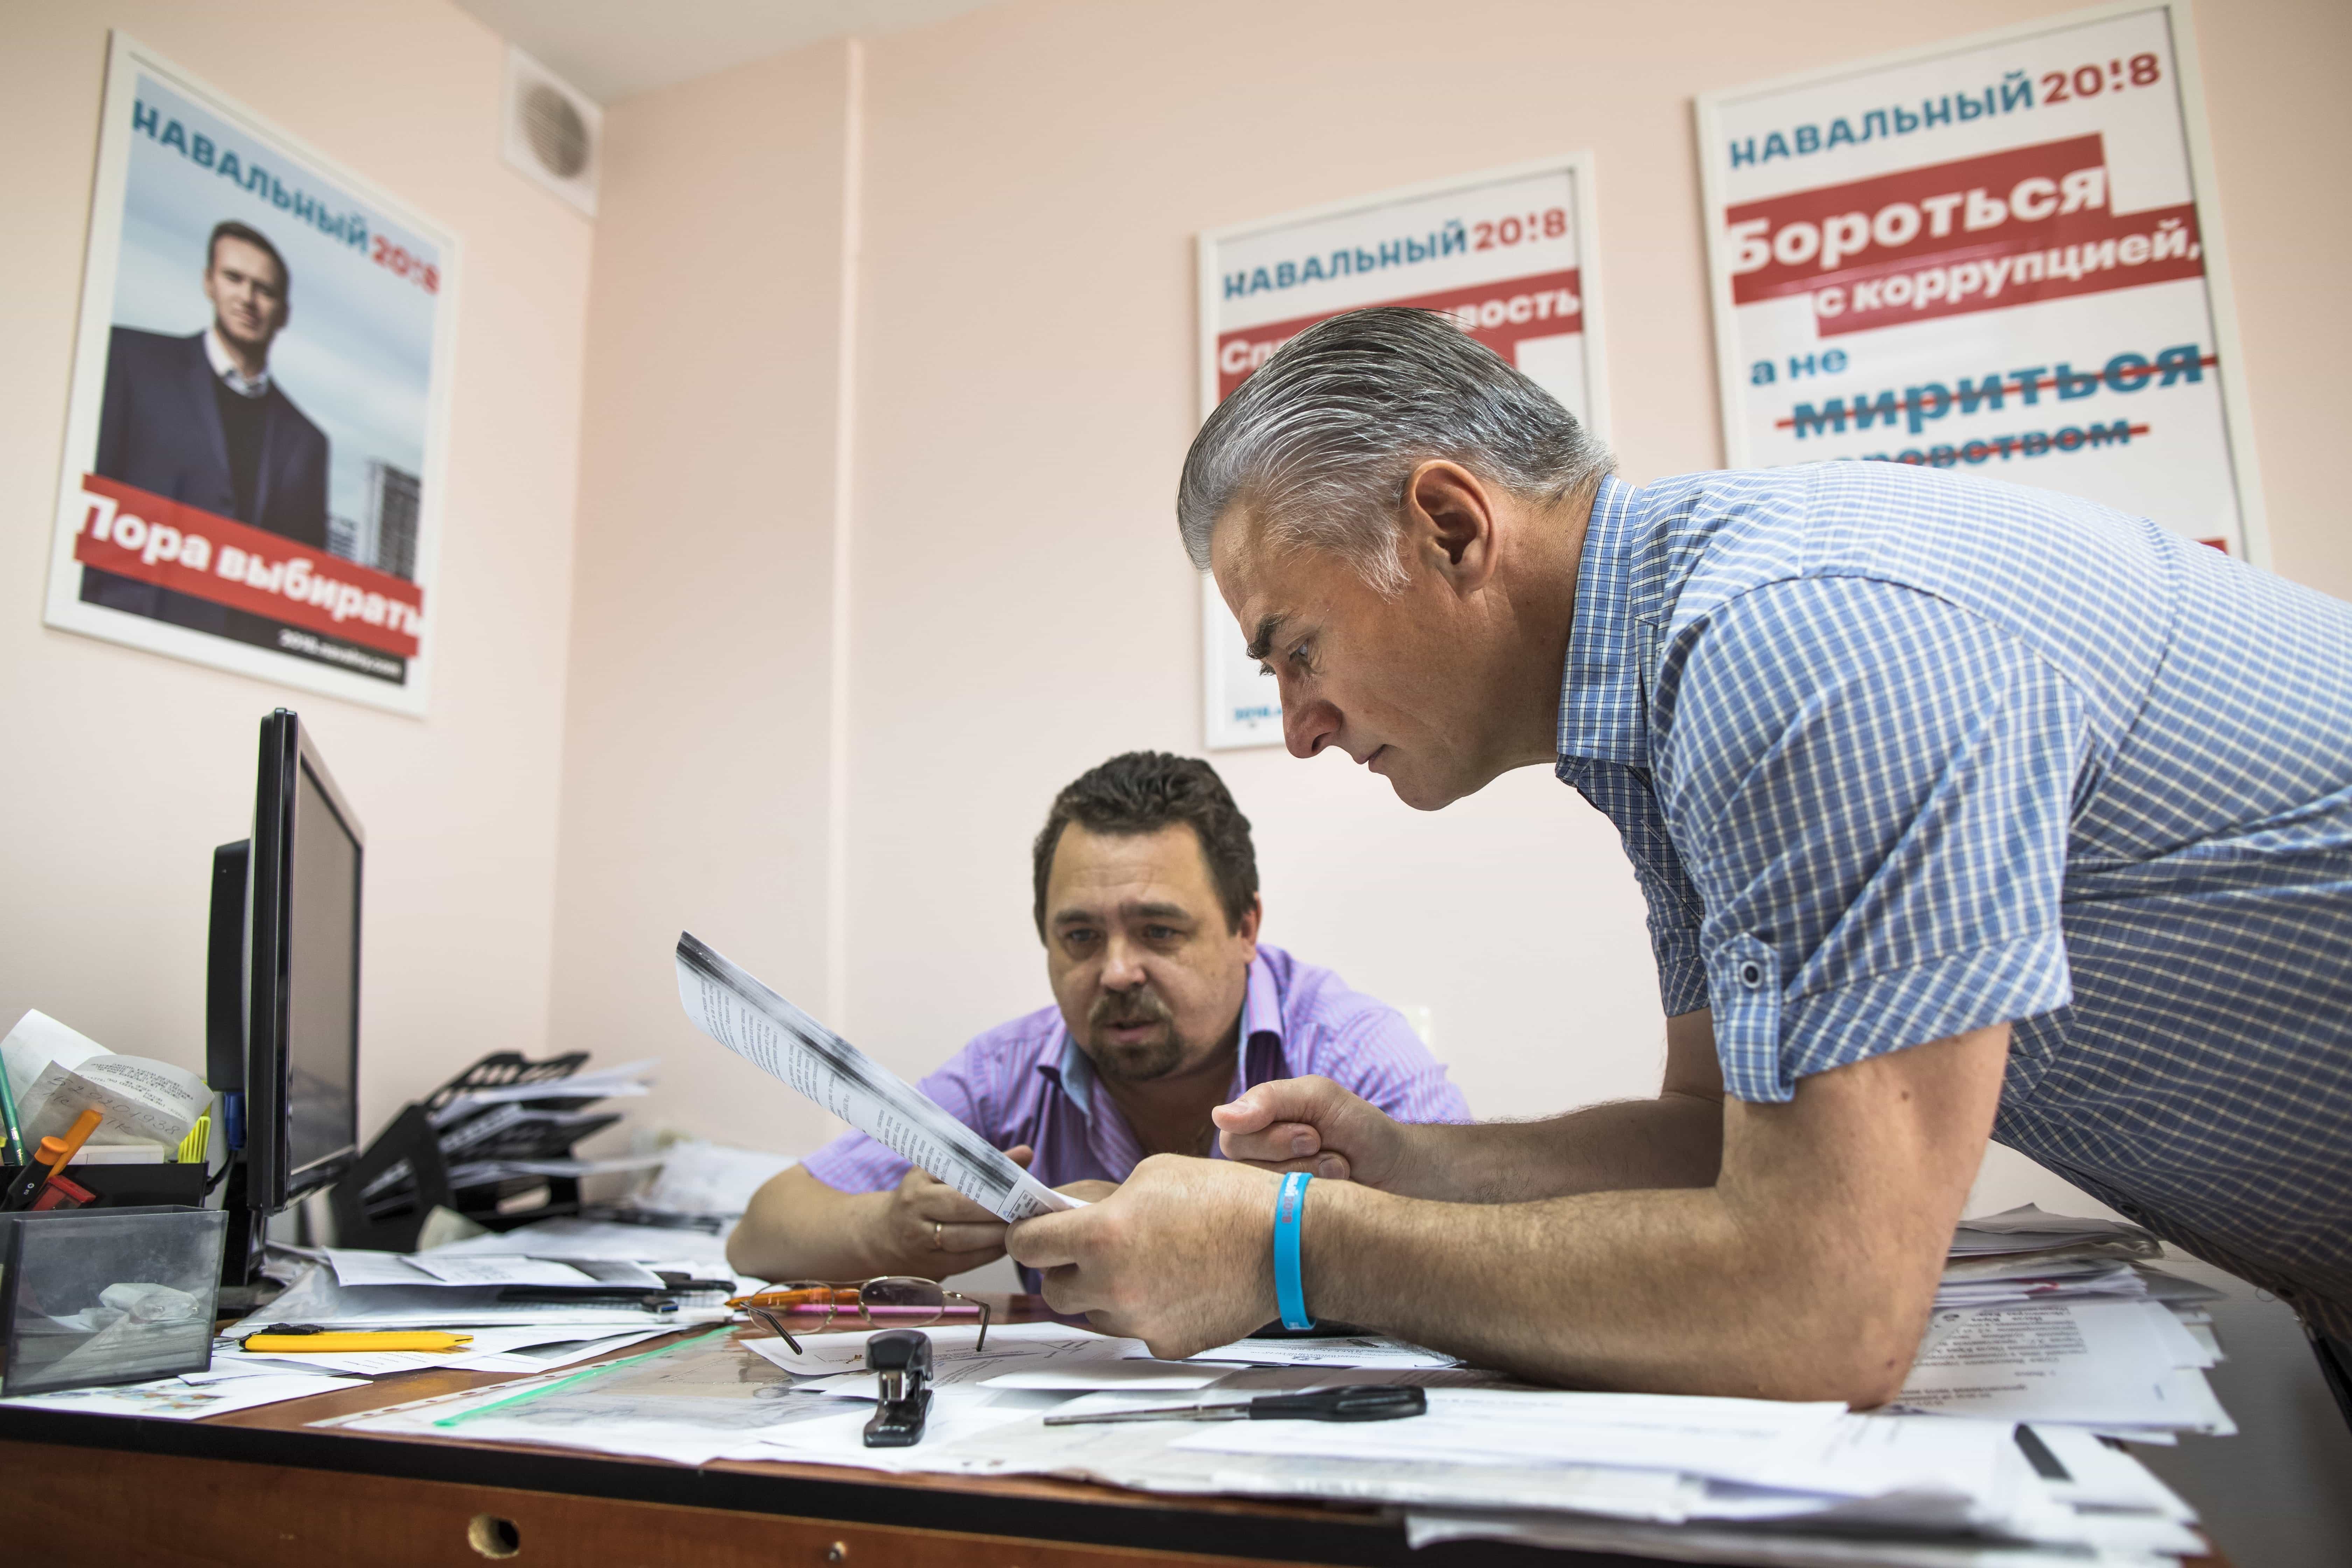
{"type": "Point", "coordinates": [1450, 523]}
{"type": "Point", "coordinates": [1251, 918]}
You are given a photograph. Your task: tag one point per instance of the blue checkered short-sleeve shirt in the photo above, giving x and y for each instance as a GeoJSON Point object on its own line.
{"type": "Point", "coordinates": [1897, 754]}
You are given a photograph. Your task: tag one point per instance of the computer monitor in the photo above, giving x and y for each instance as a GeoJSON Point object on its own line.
{"type": "Point", "coordinates": [283, 1003]}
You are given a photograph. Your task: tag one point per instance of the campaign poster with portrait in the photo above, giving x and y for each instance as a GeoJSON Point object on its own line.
{"type": "Point", "coordinates": [1995, 256]}
{"type": "Point", "coordinates": [1508, 254]}
{"type": "Point", "coordinates": [255, 446]}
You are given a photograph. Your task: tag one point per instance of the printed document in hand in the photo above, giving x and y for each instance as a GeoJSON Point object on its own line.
{"type": "Point", "coordinates": [785, 1043]}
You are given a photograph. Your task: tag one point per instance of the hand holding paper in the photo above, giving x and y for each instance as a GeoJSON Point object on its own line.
{"type": "Point", "coordinates": [781, 1040]}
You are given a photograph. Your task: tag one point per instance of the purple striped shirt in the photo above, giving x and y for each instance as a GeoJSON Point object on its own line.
{"type": "Point", "coordinates": [1028, 1082]}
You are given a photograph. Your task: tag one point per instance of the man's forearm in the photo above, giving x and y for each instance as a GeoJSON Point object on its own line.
{"type": "Point", "coordinates": [1673, 1141]}
{"type": "Point", "coordinates": [1668, 1291]}
{"type": "Point", "coordinates": [1806, 1271]}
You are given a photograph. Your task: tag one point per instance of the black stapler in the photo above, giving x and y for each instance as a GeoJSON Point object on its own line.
{"type": "Point", "coordinates": [902, 1359]}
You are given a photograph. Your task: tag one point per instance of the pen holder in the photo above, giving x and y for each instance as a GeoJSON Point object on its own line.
{"type": "Point", "coordinates": [92, 1297]}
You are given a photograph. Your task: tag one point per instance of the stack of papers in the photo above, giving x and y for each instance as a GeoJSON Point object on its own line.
{"type": "Point", "coordinates": [389, 1291]}
{"type": "Point", "coordinates": [2042, 1318]}
{"type": "Point", "coordinates": [1745, 1480]}
{"type": "Point", "coordinates": [2050, 1336]}
{"type": "Point", "coordinates": [1735, 1480]}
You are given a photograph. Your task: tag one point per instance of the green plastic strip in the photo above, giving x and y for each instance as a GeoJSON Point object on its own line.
{"type": "Point", "coordinates": [599, 1370]}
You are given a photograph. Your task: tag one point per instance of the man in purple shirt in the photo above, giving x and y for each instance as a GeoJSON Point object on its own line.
{"type": "Point", "coordinates": [1166, 1006]}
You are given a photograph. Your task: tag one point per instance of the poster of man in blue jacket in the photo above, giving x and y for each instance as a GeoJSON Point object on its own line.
{"type": "Point", "coordinates": [253, 456]}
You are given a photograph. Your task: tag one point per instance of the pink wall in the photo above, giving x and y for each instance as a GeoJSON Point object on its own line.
{"type": "Point", "coordinates": [1034, 174]}
{"type": "Point", "coordinates": [694, 788]}
{"type": "Point", "coordinates": [120, 770]}
{"type": "Point", "coordinates": [1037, 172]}
{"type": "Point", "coordinates": [1017, 609]}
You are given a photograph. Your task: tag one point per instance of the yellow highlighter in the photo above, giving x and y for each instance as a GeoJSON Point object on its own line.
{"type": "Point", "coordinates": [282, 1338]}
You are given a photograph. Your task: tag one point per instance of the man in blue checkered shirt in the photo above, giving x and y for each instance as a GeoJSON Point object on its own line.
{"type": "Point", "coordinates": [1961, 811]}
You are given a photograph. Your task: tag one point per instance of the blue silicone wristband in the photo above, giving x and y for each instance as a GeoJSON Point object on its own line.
{"type": "Point", "coordinates": [1289, 1293]}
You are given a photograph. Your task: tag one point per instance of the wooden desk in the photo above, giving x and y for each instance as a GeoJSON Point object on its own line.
{"type": "Point", "coordinates": [259, 1489]}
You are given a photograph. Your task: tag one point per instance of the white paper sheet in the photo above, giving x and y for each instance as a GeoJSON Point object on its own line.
{"type": "Point", "coordinates": [1698, 1544]}
{"type": "Point", "coordinates": [139, 1099]}
{"type": "Point", "coordinates": [700, 1252]}
{"type": "Point", "coordinates": [734, 1009]}
{"type": "Point", "coordinates": [1298, 1379]}
{"type": "Point", "coordinates": [175, 1399]}
{"type": "Point", "coordinates": [495, 1270]}
{"type": "Point", "coordinates": [1358, 1350]}
{"type": "Point", "coordinates": [1139, 1454]}
{"type": "Point", "coordinates": [316, 1298]}
{"type": "Point", "coordinates": [1728, 1439]}
{"type": "Point", "coordinates": [1101, 1372]}
{"type": "Point", "coordinates": [2080, 1361]}
{"type": "Point", "coordinates": [1012, 1347]}
{"type": "Point", "coordinates": [35, 1042]}
{"type": "Point", "coordinates": [356, 1265]}
{"type": "Point", "coordinates": [956, 1414]}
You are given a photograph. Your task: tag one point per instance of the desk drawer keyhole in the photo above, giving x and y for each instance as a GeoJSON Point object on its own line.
{"type": "Point", "coordinates": [492, 1536]}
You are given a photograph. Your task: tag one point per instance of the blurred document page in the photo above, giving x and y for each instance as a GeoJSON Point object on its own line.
{"type": "Point", "coordinates": [2091, 1363]}
{"type": "Point", "coordinates": [781, 1040]}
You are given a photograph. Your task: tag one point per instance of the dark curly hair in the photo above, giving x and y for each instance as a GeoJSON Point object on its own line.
{"type": "Point", "coordinates": [1144, 792]}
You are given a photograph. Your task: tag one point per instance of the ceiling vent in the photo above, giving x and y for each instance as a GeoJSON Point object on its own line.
{"type": "Point", "coordinates": [554, 133]}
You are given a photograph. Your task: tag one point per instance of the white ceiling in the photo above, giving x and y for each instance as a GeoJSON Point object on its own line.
{"type": "Point", "coordinates": [611, 49]}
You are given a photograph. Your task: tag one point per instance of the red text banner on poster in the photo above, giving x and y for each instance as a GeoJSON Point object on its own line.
{"type": "Point", "coordinates": [151, 539]}
{"type": "Point", "coordinates": [1980, 234]}
{"type": "Point", "coordinates": [1498, 314]}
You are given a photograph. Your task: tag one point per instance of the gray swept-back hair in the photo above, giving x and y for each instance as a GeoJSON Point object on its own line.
{"type": "Point", "coordinates": [1322, 438]}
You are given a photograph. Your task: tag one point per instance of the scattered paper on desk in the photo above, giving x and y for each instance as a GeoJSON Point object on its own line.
{"type": "Point", "coordinates": [359, 1266]}
{"type": "Point", "coordinates": [2106, 1365]}
{"type": "Point", "coordinates": [701, 1253]}
{"type": "Point", "coordinates": [481, 1267]}
{"type": "Point", "coordinates": [1355, 1350]}
{"type": "Point", "coordinates": [1088, 1375]}
{"type": "Point", "coordinates": [734, 1009]}
{"type": "Point", "coordinates": [1726, 1439]}
{"type": "Point", "coordinates": [495, 1270]}
{"type": "Point", "coordinates": [956, 1414]}
{"type": "Point", "coordinates": [702, 1399]}
{"type": "Point", "coordinates": [1012, 1347]}
{"type": "Point", "coordinates": [317, 1298]}
{"type": "Point", "coordinates": [178, 1399]}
